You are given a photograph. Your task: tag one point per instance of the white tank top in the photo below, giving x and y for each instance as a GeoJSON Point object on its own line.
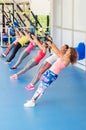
{"type": "Point", "coordinates": [51, 59]}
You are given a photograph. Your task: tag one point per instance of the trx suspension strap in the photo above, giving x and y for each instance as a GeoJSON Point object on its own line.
{"type": "Point", "coordinates": [14, 16]}
{"type": "Point", "coordinates": [7, 17]}
{"type": "Point", "coordinates": [39, 31]}
{"type": "Point", "coordinates": [34, 16]}
{"type": "Point", "coordinates": [20, 18]}
{"type": "Point", "coordinates": [9, 21]}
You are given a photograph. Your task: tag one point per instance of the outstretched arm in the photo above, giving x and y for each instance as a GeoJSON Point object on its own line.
{"type": "Point", "coordinates": [37, 41]}
{"type": "Point", "coordinates": [54, 48]}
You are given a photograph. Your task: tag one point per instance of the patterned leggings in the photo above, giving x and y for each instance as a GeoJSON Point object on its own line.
{"type": "Point", "coordinates": [47, 78]}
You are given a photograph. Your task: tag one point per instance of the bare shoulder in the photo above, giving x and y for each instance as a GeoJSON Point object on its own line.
{"type": "Point", "coordinates": [66, 60]}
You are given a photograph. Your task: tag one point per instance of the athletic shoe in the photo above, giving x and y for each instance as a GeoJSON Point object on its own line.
{"type": "Point", "coordinates": [14, 76]}
{"type": "Point", "coordinates": [7, 44]}
{"type": "Point", "coordinates": [13, 67]}
{"type": "Point", "coordinates": [30, 87]}
{"type": "Point", "coordinates": [3, 55]}
{"type": "Point", "coordinates": [7, 62]}
{"type": "Point", "coordinates": [29, 103]}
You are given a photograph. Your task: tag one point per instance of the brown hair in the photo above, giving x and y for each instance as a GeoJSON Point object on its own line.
{"type": "Point", "coordinates": [74, 55]}
{"type": "Point", "coordinates": [66, 46]}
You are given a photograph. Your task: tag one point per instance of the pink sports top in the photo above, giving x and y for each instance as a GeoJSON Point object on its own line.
{"type": "Point", "coordinates": [58, 66]}
{"type": "Point", "coordinates": [39, 56]}
{"type": "Point", "coordinates": [30, 47]}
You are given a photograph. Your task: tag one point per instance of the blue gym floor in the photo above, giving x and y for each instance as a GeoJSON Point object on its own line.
{"type": "Point", "coordinates": [62, 107]}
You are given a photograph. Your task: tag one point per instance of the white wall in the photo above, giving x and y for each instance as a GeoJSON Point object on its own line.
{"type": "Point", "coordinates": [40, 6]}
{"type": "Point", "coordinates": [69, 23]}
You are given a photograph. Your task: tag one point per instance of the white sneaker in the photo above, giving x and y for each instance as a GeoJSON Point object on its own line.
{"type": "Point", "coordinates": [3, 55]}
{"type": "Point", "coordinates": [29, 103]}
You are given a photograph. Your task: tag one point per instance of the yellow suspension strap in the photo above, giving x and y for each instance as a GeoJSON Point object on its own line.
{"type": "Point", "coordinates": [40, 31]}
{"type": "Point", "coordinates": [7, 17]}
{"type": "Point", "coordinates": [17, 13]}
{"type": "Point", "coordinates": [11, 23]}
{"type": "Point", "coordinates": [34, 16]}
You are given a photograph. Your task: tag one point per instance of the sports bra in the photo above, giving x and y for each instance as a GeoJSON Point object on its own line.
{"type": "Point", "coordinates": [24, 40]}
{"type": "Point", "coordinates": [30, 47]}
{"type": "Point", "coordinates": [39, 56]}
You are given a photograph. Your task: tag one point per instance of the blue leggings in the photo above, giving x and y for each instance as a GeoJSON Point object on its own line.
{"type": "Point", "coordinates": [47, 78]}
